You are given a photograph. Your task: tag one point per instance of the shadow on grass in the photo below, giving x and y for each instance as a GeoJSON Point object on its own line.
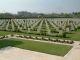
{"type": "Point", "coordinates": [13, 43]}
{"type": "Point", "coordinates": [71, 33]}
{"type": "Point", "coordinates": [67, 37]}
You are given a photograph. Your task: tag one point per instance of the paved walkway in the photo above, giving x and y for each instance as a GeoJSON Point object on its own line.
{"type": "Point", "coordinates": [74, 53]}
{"type": "Point", "coordinates": [12, 53]}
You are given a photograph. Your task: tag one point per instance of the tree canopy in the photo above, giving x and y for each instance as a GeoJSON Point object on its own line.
{"type": "Point", "coordinates": [25, 14]}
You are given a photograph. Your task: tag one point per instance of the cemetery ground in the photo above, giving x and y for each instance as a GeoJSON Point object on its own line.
{"type": "Point", "coordinates": [61, 34]}
{"type": "Point", "coordinates": [74, 35]}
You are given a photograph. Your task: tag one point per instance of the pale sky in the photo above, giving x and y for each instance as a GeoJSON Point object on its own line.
{"type": "Point", "coordinates": [40, 6]}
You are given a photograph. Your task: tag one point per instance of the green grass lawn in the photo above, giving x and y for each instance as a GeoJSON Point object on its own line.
{"type": "Point", "coordinates": [2, 33]}
{"type": "Point", "coordinates": [48, 48]}
{"type": "Point", "coordinates": [75, 35]}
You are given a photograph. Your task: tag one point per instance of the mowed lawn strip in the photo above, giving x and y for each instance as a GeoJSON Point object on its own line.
{"type": "Point", "coordinates": [75, 35]}
{"type": "Point", "coordinates": [2, 33]}
{"type": "Point", "coordinates": [54, 49]}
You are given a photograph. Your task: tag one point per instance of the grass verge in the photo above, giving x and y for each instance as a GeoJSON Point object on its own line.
{"type": "Point", "coordinates": [54, 49]}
